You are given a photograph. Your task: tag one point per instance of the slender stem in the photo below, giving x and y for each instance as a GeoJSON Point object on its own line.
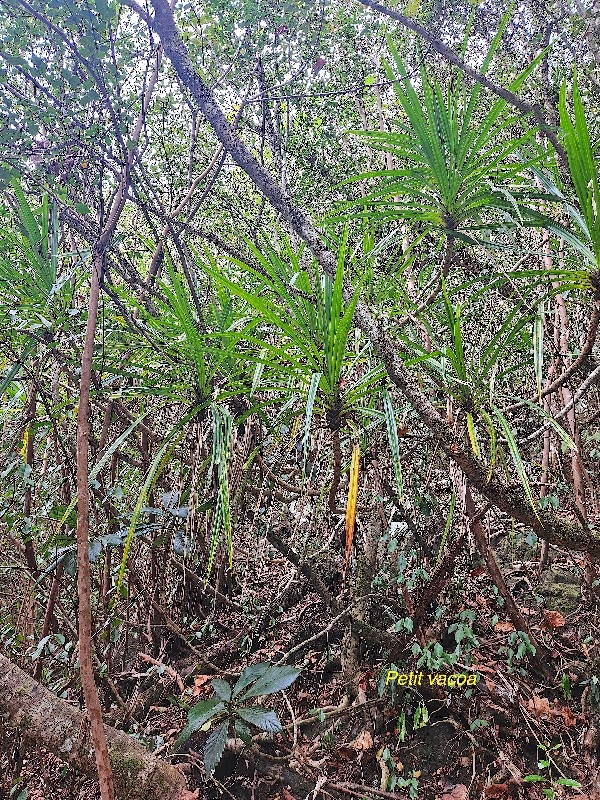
{"type": "Point", "coordinates": [88, 684]}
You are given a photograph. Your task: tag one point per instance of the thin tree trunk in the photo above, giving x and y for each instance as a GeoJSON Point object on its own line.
{"type": "Point", "coordinates": [495, 573]}
{"type": "Point", "coordinates": [90, 692]}
{"type": "Point", "coordinates": [86, 667]}
{"type": "Point", "coordinates": [29, 456]}
{"type": "Point", "coordinates": [49, 615]}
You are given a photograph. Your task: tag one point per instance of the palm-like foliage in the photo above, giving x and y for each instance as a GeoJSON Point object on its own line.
{"type": "Point", "coordinates": [26, 253]}
{"type": "Point", "coordinates": [33, 293]}
{"type": "Point", "coordinates": [583, 235]}
{"type": "Point", "coordinates": [305, 327]}
{"type": "Point", "coordinates": [471, 374]}
{"type": "Point", "coordinates": [457, 165]}
{"type": "Point", "coordinates": [583, 167]}
{"type": "Point", "coordinates": [185, 354]}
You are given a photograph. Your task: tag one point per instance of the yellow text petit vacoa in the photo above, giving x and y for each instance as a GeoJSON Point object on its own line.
{"type": "Point", "coordinates": [437, 679]}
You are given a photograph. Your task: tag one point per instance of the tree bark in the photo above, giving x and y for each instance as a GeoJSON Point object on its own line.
{"type": "Point", "coordinates": [88, 685]}
{"type": "Point", "coordinates": [84, 592]}
{"type": "Point", "coordinates": [61, 728]}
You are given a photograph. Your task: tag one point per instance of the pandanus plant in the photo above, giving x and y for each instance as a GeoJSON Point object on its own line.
{"type": "Point", "coordinates": [462, 174]}
{"type": "Point", "coordinates": [35, 294]}
{"type": "Point", "coordinates": [460, 170]}
{"type": "Point", "coordinates": [303, 338]}
{"type": "Point", "coordinates": [582, 238]}
{"type": "Point", "coordinates": [582, 156]}
{"type": "Point", "coordinates": [170, 354]}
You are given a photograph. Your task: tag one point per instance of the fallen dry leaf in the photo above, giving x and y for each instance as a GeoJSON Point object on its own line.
{"type": "Point", "coordinates": [199, 682]}
{"type": "Point", "coordinates": [504, 627]}
{"type": "Point", "coordinates": [565, 712]}
{"type": "Point", "coordinates": [539, 706]}
{"type": "Point", "coordinates": [497, 790]}
{"type": "Point", "coordinates": [364, 741]}
{"type": "Point", "coordinates": [554, 619]}
{"type": "Point", "coordinates": [491, 670]}
{"type": "Point", "coordinates": [345, 753]}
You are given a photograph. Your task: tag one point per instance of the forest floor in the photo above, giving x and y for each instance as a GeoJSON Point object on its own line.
{"type": "Point", "coordinates": [523, 718]}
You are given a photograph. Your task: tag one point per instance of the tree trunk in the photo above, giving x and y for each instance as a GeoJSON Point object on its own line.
{"type": "Point", "coordinates": [63, 729]}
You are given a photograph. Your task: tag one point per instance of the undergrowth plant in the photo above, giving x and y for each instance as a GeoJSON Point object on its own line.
{"type": "Point", "coordinates": [227, 710]}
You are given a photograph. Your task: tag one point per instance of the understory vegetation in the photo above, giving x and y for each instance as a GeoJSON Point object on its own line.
{"type": "Point", "coordinates": [299, 487]}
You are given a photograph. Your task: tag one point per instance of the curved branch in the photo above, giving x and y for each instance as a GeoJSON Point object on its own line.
{"type": "Point", "coordinates": [590, 340]}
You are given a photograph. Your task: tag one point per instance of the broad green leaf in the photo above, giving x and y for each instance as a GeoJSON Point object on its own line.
{"type": "Point", "coordinates": [243, 731]}
{"type": "Point", "coordinates": [214, 747]}
{"type": "Point", "coordinates": [222, 688]}
{"type": "Point", "coordinates": [273, 680]}
{"type": "Point", "coordinates": [263, 718]}
{"type": "Point", "coordinates": [198, 716]}
{"type": "Point", "coordinates": [248, 675]}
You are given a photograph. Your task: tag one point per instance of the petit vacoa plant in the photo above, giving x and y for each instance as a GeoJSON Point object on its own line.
{"type": "Point", "coordinates": [228, 708]}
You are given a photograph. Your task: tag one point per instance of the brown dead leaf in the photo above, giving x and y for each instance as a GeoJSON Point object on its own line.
{"type": "Point", "coordinates": [497, 790]}
{"type": "Point", "coordinates": [490, 670]}
{"type": "Point", "coordinates": [185, 795]}
{"type": "Point", "coordinates": [364, 741]}
{"type": "Point", "coordinates": [287, 795]}
{"type": "Point", "coordinates": [504, 627]}
{"type": "Point", "coordinates": [554, 619]}
{"type": "Point", "coordinates": [539, 706]}
{"type": "Point", "coordinates": [199, 682]}
{"type": "Point", "coordinates": [459, 792]}
{"type": "Point", "coordinates": [345, 753]}
{"type": "Point", "coordinates": [565, 712]}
